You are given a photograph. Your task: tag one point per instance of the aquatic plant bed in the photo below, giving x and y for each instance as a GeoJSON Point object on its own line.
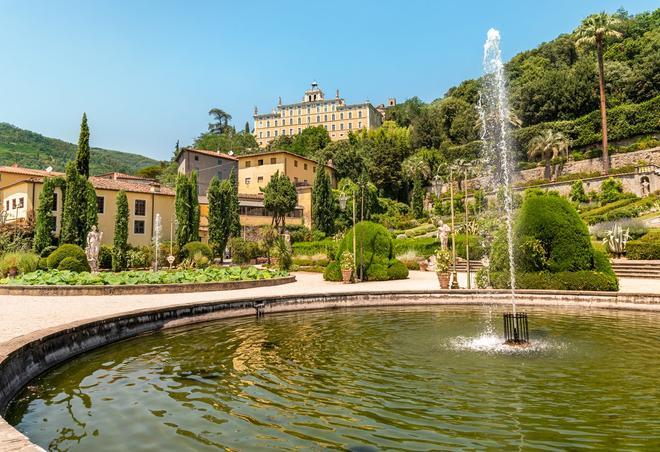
{"type": "Point", "coordinates": [55, 282]}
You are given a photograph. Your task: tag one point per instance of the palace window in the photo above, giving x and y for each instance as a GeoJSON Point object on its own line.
{"type": "Point", "coordinates": [325, 126]}
{"type": "Point", "coordinates": [260, 162]}
{"type": "Point", "coordinates": [325, 118]}
{"type": "Point", "coordinates": [273, 160]}
{"type": "Point", "coordinates": [140, 207]}
{"type": "Point", "coordinates": [325, 108]}
{"type": "Point", "coordinates": [290, 131]}
{"type": "Point", "coordinates": [333, 127]}
{"type": "Point", "coordinates": [267, 123]}
{"type": "Point", "coordinates": [360, 114]}
{"type": "Point", "coordinates": [283, 132]}
{"type": "Point", "coordinates": [350, 125]}
{"type": "Point", "coordinates": [290, 121]}
{"type": "Point", "coordinates": [260, 179]}
{"type": "Point", "coordinates": [276, 123]}
{"type": "Point", "coordinates": [100, 204]}
{"type": "Point", "coordinates": [350, 115]}
{"type": "Point", "coordinates": [341, 126]}
{"type": "Point", "coordinates": [248, 163]}
{"type": "Point", "coordinates": [333, 116]}
{"type": "Point", "coordinates": [299, 130]}
{"type": "Point", "coordinates": [276, 133]}
{"type": "Point", "coordinates": [261, 134]}
{"type": "Point", "coordinates": [299, 120]}
{"type": "Point", "coordinates": [318, 109]}
{"type": "Point", "coordinates": [318, 118]}
{"type": "Point", "coordinates": [138, 227]}
{"type": "Point", "coordinates": [341, 115]}
{"type": "Point", "coordinates": [360, 125]}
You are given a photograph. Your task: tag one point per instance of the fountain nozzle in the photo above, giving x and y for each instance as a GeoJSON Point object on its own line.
{"type": "Point", "coordinates": [516, 331]}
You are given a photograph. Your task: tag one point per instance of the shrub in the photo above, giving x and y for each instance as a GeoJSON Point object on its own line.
{"type": "Point", "coordinates": [397, 270]}
{"type": "Point", "coordinates": [22, 262]}
{"type": "Point", "coordinates": [646, 248]}
{"type": "Point", "coordinates": [64, 251]}
{"type": "Point", "coordinates": [327, 246]}
{"type": "Point", "coordinates": [299, 233]}
{"type": "Point", "coordinates": [138, 258]}
{"type": "Point", "coordinates": [377, 272]}
{"type": "Point", "coordinates": [47, 251]}
{"type": "Point", "coordinates": [71, 264]}
{"type": "Point", "coordinates": [424, 246]}
{"type": "Point", "coordinates": [374, 247]}
{"type": "Point", "coordinates": [283, 253]}
{"type": "Point", "coordinates": [579, 280]}
{"type": "Point", "coordinates": [43, 263]}
{"type": "Point", "coordinates": [200, 260]}
{"type": "Point", "coordinates": [243, 251]}
{"type": "Point", "coordinates": [477, 250]}
{"type": "Point", "coordinates": [105, 257]}
{"type": "Point", "coordinates": [610, 190]}
{"type": "Point", "coordinates": [554, 222]}
{"type": "Point", "coordinates": [332, 272]}
{"type": "Point", "coordinates": [192, 248]}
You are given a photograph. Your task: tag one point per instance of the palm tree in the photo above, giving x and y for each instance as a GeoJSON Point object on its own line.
{"type": "Point", "coordinates": [548, 145]}
{"type": "Point", "coordinates": [222, 119]}
{"type": "Point", "coordinates": [593, 30]}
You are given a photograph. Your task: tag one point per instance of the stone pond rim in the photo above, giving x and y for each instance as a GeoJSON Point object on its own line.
{"type": "Point", "coordinates": [142, 289]}
{"type": "Point", "coordinates": [25, 357]}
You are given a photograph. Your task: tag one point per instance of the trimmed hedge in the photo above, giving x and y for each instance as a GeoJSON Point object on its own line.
{"type": "Point", "coordinates": [424, 246]}
{"type": "Point", "coordinates": [579, 280]}
{"type": "Point", "coordinates": [192, 248]}
{"type": "Point", "coordinates": [47, 251]}
{"type": "Point", "coordinates": [332, 272]}
{"type": "Point", "coordinates": [397, 270]}
{"type": "Point", "coordinates": [646, 248]}
{"type": "Point", "coordinates": [65, 251]}
{"type": "Point", "coordinates": [71, 264]}
{"type": "Point", "coordinates": [327, 246]}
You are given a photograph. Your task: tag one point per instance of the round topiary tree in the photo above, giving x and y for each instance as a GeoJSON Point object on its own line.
{"type": "Point", "coordinates": [65, 251]}
{"type": "Point", "coordinates": [374, 254]}
{"type": "Point", "coordinates": [72, 264]}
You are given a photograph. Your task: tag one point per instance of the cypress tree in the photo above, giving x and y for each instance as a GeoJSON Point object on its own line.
{"type": "Point", "coordinates": [194, 207]}
{"type": "Point", "coordinates": [182, 210]}
{"type": "Point", "coordinates": [43, 229]}
{"type": "Point", "coordinates": [120, 242]}
{"type": "Point", "coordinates": [91, 208]}
{"type": "Point", "coordinates": [82, 155]}
{"type": "Point", "coordinates": [323, 215]}
{"type": "Point", "coordinates": [234, 206]}
{"type": "Point", "coordinates": [74, 218]}
{"type": "Point", "coordinates": [418, 198]}
{"type": "Point", "coordinates": [219, 194]}
{"type": "Point", "coordinates": [247, 127]}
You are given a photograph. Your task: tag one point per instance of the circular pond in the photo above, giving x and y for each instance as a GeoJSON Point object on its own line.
{"type": "Point", "coordinates": [362, 379]}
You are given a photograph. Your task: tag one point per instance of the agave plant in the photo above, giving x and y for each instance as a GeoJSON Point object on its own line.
{"type": "Point", "coordinates": [616, 240]}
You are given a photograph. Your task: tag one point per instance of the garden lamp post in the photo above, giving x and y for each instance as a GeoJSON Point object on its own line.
{"type": "Point", "coordinates": [454, 276]}
{"type": "Point", "coordinates": [467, 229]}
{"type": "Point", "coordinates": [342, 204]}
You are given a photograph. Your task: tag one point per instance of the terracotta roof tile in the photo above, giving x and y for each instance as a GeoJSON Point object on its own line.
{"type": "Point", "coordinates": [212, 153]}
{"type": "Point", "coordinates": [28, 171]}
{"type": "Point", "coordinates": [112, 184]}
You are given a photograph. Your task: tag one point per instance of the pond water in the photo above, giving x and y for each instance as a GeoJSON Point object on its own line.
{"type": "Point", "coordinates": [361, 379]}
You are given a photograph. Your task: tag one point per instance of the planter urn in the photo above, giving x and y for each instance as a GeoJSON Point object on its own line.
{"type": "Point", "coordinates": [443, 279]}
{"type": "Point", "coordinates": [346, 276]}
{"type": "Point", "coordinates": [423, 265]}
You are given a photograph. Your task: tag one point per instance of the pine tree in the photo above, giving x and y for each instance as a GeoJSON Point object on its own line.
{"type": "Point", "coordinates": [219, 196]}
{"type": "Point", "coordinates": [194, 207]}
{"type": "Point", "coordinates": [323, 214]}
{"type": "Point", "coordinates": [82, 155]}
{"type": "Point", "coordinates": [43, 229]}
{"type": "Point", "coordinates": [74, 218]}
{"type": "Point", "coordinates": [234, 206]}
{"type": "Point", "coordinates": [120, 243]}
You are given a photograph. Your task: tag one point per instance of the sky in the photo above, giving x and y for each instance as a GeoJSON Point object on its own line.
{"type": "Point", "coordinates": [147, 72]}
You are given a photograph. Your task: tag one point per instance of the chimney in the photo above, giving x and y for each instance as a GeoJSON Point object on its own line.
{"type": "Point", "coordinates": [155, 187]}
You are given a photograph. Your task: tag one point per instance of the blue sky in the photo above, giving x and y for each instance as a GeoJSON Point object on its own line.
{"type": "Point", "coordinates": [147, 72]}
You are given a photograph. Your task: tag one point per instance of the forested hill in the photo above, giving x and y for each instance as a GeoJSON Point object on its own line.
{"type": "Point", "coordinates": [32, 150]}
{"type": "Point", "coordinates": [556, 81]}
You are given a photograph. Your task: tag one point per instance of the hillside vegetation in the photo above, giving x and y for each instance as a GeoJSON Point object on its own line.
{"type": "Point", "coordinates": [32, 150]}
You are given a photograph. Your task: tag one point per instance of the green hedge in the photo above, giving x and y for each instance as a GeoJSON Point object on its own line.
{"type": "Point", "coordinates": [624, 121]}
{"type": "Point", "coordinates": [65, 251]}
{"type": "Point", "coordinates": [579, 280]}
{"type": "Point", "coordinates": [424, 246]}
{"type": "Point", "coordinates": [646, 248]}
{"type": "Point", "coordinates": [327, 246]}
{"type": "Point", "coordinates": [71, 264]}
{"type": "Point", "coordinates": [629, 210]}
{"type": "Point", "coordinates": [192, 248]}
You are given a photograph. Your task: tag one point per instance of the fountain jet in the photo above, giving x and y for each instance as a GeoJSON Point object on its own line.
{"type": "Point", "coordinates": [495, 117]}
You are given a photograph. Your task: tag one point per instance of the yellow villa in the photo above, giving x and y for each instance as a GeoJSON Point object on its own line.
{"type": "Point", "coordinates": [335, 115]}
{"type": "Point", "coordinates": [20, 189]}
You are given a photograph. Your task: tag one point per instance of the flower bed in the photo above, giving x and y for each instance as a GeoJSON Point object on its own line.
{"type": "Point", "coordinates": [137, 277]}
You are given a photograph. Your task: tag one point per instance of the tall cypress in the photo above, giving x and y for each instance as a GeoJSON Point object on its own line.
{"type": "Point", "coordinates": [323, 215]}
{"type": "Point", "coordinates": [418, 198]}
{"type": "Point", "coordinates": [120, 242]}
{"type": "Point", "coordinates": [82, 155]}
{"type": "Point", "coordinates": [234, 206]}
{"type": "Point", "coordinates": [194, 207]}
{"type": "Point", "coordinates": [247, 127]}
{"type": "Point", "coordinates": [91, 208]}
{"type": "Point", "coordinates": [182, 210]}
{"type": "Point", "coordinates": [219, 194]}
{"type": "Point", "coordinates": [43, 229]}
{"type": "Point", "coordinates": [74, 217]}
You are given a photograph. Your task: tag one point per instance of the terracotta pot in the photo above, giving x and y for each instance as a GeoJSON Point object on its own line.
{"type": "Point", "coordinates": [423, 265]}
{"type": "Point", "coordinates": [443, 279]}
{"type": "Point", "coordinates": [346, 276]}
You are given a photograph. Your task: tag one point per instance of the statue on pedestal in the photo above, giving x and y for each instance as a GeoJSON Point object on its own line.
{"type": "Point", "coordinates": [443, 234]}
{"type": "Point", "coordinates": [92, 249]}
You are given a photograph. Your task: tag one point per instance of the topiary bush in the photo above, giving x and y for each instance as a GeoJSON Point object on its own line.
{"type": "Point", "coordinates": [72, 264]}
{"type": "Point", "coordinates": [105, 257]}
{"type": "Point", "coordinates": [192, 248]}
{"type": "Point", "coordinates": [552, 249]}
{"type": "Point", "coordinates": [47, 251]}
{"type": "Point", "coordinates": [646, 248]}
{"type": "Point", "coordinates": [374, 246]}
{"type": "Point", "coordinates": [243, 251]}
{"type": "Point", "coordinates": [67, 250]}
{"type": "Point", "coordinates": [42, 264]}
{"type": "Point", "coordinates": [397, 270]}
{"type": "Point", "coordinates": [377, 272]}
{"type": "Point", "coordinates": [332, 272]}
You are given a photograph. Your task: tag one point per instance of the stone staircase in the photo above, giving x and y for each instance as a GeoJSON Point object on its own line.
{"type": "Point", "coordinates": [636, 269]}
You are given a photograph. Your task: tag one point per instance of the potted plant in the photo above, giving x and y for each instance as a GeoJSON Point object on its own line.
{"type": "Point", "coordinates": [347, 264]}
{"type": "Point", "coordinates": [442, 265]}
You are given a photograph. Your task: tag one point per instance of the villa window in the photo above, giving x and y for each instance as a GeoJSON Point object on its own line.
{"type": "Point", "coordinates": [7, 205]}
{"type": "Point", "coordinates": [267, 123]}
{"type": "Point", "coordinates": [360, 125]}
{"type": "Point", "coordinates": [21, 203]}
{"type": "Point", "coordinates": [100, 204]}
{"type": "Point", "coordinates": [248, 163]}
{"type": "Point", "coordinates": [140, 207]}
{"type": "Point", "coordinates": [260, 162]}
{"type": "Point", "coordinates": [283, 132]}
{"type": "Point", "coordinates": [318, 109]}
{"type": "Point", "coordinates": [295, 163]}
{"type": "Point", "coordinates": [13, 203]}
{"type": "Point", "coordinates": [261, 134]}
{"type": "Point", "coordinates": [276, 123]}
{"type": "Point", "coordinates": [138, 227]}
{"type": "Point", "coordinates": [197, 158]}
{"type": "Point", "coordinates": [305, 166]}
{"type": "Point", "coordinates": [299, 120]}
{"type": "Point", "coordinates": [273, 160]}
{"type": "Point", "coordinates": [290, 131]}
{"type": "Point", "coordinates": [54, 202]}
{"type": "Point", "coordinates": [276, 133]}
{"type": "Point", "coordinates": [299, 130]}
{"type": "Point", "coordinates": [325, 126]}
{"type": "Point", "coordinates": [260, 179]}
{"type": "Point", "coordinates": [248, 180]}
{"type": "Point", "coordinates": [291, 121]}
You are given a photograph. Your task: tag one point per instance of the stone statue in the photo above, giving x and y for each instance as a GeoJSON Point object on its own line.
{"type": "Point", "coordinates": [427, 202]}
{"type": "Point", "coordinates": [443, 234]}
{"type": "Point", "coordinates": [92, 249]}
{"type": "Point", "coordinates": [646, 187]}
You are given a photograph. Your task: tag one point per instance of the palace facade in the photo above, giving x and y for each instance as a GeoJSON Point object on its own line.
{"type": "Point", "coordinates": [315, 110]}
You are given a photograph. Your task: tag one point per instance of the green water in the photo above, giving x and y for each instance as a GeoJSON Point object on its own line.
{"type": "Point", "coordinates": [410, 379]}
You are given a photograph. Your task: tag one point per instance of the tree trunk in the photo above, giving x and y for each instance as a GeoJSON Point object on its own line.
{"type": "Point", "coordinates": [603, 107]}
{"type": "Point", "coordinates": [548, 172]}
